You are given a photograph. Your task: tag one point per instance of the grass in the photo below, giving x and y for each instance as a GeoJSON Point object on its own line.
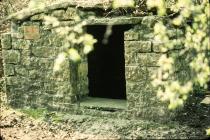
{"type": "Point", "coordinates": [34, 113]}
{"type": "Point", "coordinates": [44, 114]}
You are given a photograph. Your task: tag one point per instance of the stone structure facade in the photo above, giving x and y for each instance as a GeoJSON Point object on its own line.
{"type": "Point", "coordinates": [30, 49]}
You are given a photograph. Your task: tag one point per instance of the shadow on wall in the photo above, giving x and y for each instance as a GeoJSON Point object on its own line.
{"type": "Point", "coordinates": [1, 62]}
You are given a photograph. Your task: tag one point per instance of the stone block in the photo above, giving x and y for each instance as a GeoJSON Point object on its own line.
{"type": "Point", "coordinates": [174, 33]}
{"type": "Point", "coordinates": [12, 80]}
{"type": "Point", "coordinates": [137, 46]}
{"type": "Point", "coordinates": [82, 85]}
{"type": "Point", "coordinates": [33, 62]}
{"type": "Point", "coordinates": [31, 32]}
{"type": "Point", "coordinates": [17, 35]}
{"type": "Point", "coordinates": [9, 70]}
{"type": "Point", "coordinates": [129, 58]}
{"type": "Point", "coordinates": [46, 52]}
{"type": "Point", "coordinates": [38, 17]}
{"type": "Point", "coordinates": [136, 73]}
{"type": "Point", "coordinates": [49, 86]}
{"type": "Point", "coordinates": [26, 53]}
{"type": "Point", "coordinates": [35, 74]}
{"type": "Point", "coordinates": [158, 47]}
{"type": "Point", "coordinates": [71, 13]}
{"type": "Point", "coordinates": [14, 27]}
{"type": "Point", "coordinates": [45, 63]}
{"type": "Point", "coordinates": [135, 87]}
{"type": "Point", "coordinates": [25, 60]}
{"type": "Point", "coordinates": [63, 88]}
{"type": "Point", "coordinates": [20, 70]}
{"type": "Point", "coordinates": [6, 41]}
{"type": "Point", "coordinates": [83, 69]}
{"type": "Point", "coordinates": [148, 59]}
{"type": "Point", "coordinates": [142, 59]}
{"type": "Point", "coordinates": [131, 35]}
{"type": "Point", "coordinates": [58, 14]}
{"type": "Point", "coordinates": [149, 21]}
{"type": "Point", "coordinates": [146, 35]}
{"type": "Point", "coordinates": [21, 44]}
{"type": "Point", "coordinates": [11, 56]}
{"type": "Point", "coordinates": [36, 85]}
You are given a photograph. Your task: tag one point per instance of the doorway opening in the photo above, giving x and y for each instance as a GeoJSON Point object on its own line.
{"type": "Point", "coordinates": [106, 63]}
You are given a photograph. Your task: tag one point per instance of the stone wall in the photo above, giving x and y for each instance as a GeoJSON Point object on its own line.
{"type": "Point", "coordinates": [29, 53]}
{"type": "Point", "coordinates": [30, 49]}
{"type": "Point", "coordinates": [141, 57]}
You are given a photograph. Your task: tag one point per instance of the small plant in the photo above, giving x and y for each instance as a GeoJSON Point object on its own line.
{"type": "Point", "coordinates": [34, 113]}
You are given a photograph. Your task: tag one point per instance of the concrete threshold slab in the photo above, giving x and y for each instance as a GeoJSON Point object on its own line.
{"type": "Point", "coordinates": [92, 102]}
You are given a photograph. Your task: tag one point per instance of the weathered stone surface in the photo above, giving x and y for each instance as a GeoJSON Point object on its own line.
{"type": "Point", "coordinates": [142, 102]}
{"type": "Point", "coordinates": [47, 52]}
{"type": "Point", "coordinates": [61, 76]}
{"type": "Point", "coordinates": [145, 32]}
{"type": "Point", "coordinates": [71, 13]}
{"type": "Point", "coordinates": [131, 35]}
{"type": "Point", "coordinates": [174, 33]}
{"type": "Point", "coordinates": [83, 70]}
{"type": "Point", "coordinates": [36, 85]}
{"type": "Point", "coordinates": [26, 53]}
{"type": "Point", "coordinates": [41, 63]}
{"type": "Point", "coordinates": [38, 17]}
{"type": "Point", "coordinates": [12, 80]}
{"type": "Point", "coordinates": [135, 87]}
{"type": "Point", "coordinates": [25, 60]}
{"type": "Point", "coordinates": [142, 59]}
{"type": "Point", "coordinates": [34, 74]}
{"type": "Point", "coordinates": [17, 32]}
{"type": "Point", "coordinates": [21, 44]}
{"type": "Point", "coordinates": [83, 79]}
{"type": "Point", "coordinates": [114, 21]}
{"type": "Point", "coordinates": [136, 73]}
{"type": "Point", "coordinates": [31, 32]}
{"type": "Point", "coordinates": [59, 13]}
{"type": "Point", "coordinates": [17, 35]}
{"type": "Point", "coordinates": [146, 35]}
{"type": "Point", "coordinates": [137, 46]}
{"type": "Point", "coordinates": [20, 70]}
{"type": "Point", "coordinates": [149, 21]}
{"type": "Point", "coordinates": [63, 88]}
{"type": "Point", "coordinates": [6, 41]}
{"type": "Point", "coordinates": [49, 86]}
{"type": "Point", "coordinates": [25, 14]}
{"type": "Point", "coordinates": [11, 56]}
{"type": "Point", "coordinates": [9, 70]}
{"type": "Point", "coordinates": [14, 27]}
{"type": "Point", "coordinates": [158, 47]}
{"type": "Point", "coordinates": [129, 59]}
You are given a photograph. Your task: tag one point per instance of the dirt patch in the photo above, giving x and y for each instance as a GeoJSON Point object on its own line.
{"type": "Point", "coordinates": [15, 125]}
{"type": "Point", "coordinates": [19, 126]}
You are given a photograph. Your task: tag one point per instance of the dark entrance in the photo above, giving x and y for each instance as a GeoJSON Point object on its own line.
{"type": "Point", "coordinates": [106, 64]}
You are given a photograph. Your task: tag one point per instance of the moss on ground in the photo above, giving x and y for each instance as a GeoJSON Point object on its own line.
{"type": "Point", "coordinates": [34, 113]}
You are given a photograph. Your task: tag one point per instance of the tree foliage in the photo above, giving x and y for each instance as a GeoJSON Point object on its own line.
{"type": "Point", "coordinates": [192, 17]}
